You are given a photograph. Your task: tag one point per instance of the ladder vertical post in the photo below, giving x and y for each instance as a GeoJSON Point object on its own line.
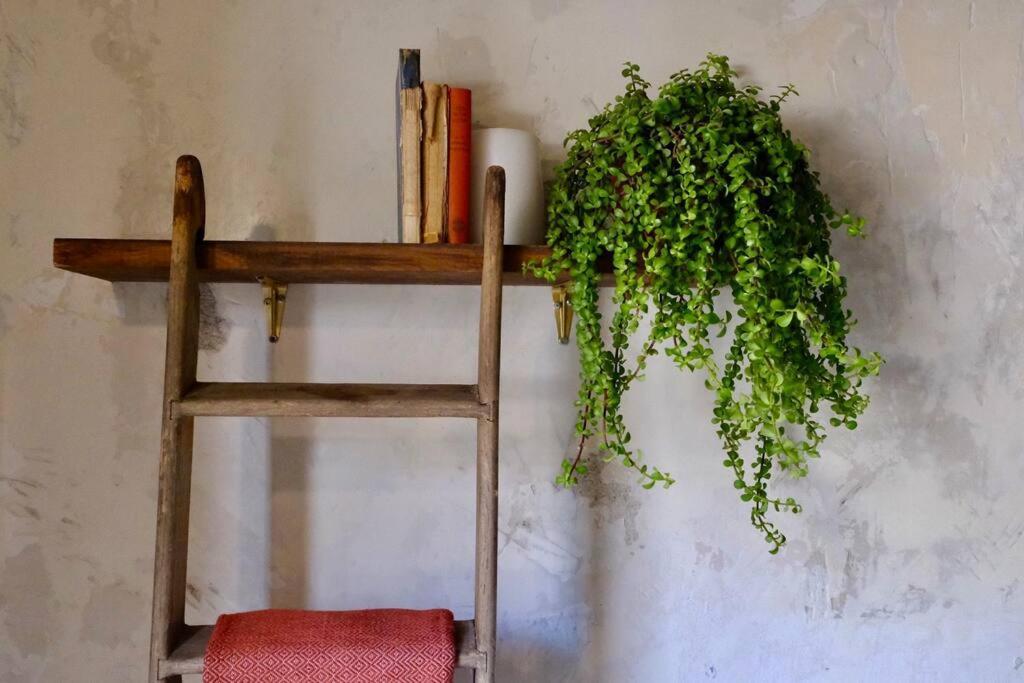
{"type": "Point", "coordinates": [487, 427]}
{"type": "Point", "coordinates": [168, 626]}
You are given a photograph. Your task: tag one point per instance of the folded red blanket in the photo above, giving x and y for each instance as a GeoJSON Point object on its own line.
{"type": "Point", "coordinates": [366, 646]}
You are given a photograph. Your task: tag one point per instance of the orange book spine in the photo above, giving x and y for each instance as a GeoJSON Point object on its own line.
{"type": "Point", "coordinates": [460, 132]}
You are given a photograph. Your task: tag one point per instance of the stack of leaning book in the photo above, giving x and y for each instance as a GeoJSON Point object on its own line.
{"type": "Point", "coordinates": [434, 134]}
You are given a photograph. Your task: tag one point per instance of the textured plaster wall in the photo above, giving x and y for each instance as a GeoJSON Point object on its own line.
{"type": "Point", "coordinates": [907, 562]}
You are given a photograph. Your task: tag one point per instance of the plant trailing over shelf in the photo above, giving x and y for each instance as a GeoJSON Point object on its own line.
{"type": "Point", "coordinates": [695, 191]}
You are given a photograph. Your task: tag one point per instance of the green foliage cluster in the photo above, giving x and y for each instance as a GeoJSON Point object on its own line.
{"type": "Point", "coordinates": [691, 193]}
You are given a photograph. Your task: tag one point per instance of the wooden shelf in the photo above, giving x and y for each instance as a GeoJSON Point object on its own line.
{"type": "Point", "coordinates": [187, 658]}
{"type": "Point", "coordinates": [123, 260]}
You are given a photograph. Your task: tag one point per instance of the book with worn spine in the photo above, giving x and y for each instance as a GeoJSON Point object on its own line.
{"type": "Point", "coordinates": [409, 121]}
{"type": "Point", "coordinates": [435, 161]}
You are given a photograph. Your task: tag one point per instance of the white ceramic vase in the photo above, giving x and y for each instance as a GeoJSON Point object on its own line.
{"type": "Point", "coordinates": [517, 152]}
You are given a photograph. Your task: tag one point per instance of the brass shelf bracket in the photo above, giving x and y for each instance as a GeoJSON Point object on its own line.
{"type": "Point", "coordinates": [563, 311]}
{"type": "Point", "coordinates": [274, 295]}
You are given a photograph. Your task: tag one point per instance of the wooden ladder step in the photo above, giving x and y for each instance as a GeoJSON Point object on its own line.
{"type": "Point", "coordinates": [187, 658]}
{"type": "Point", "coordinates": [255, 399]}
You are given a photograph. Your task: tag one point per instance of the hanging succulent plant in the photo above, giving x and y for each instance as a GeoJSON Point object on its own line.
{"type": "Point", "coordinates": [695, 192]}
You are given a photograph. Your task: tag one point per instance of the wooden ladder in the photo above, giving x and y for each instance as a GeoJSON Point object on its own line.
{"type": "Point", "coordinates": [177, 648]}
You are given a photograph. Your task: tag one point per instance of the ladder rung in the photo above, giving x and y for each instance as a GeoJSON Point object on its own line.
{"type": "Point", "coordinates": [254, 399]}
{"type": "Point", "coordinates": [187, 658]}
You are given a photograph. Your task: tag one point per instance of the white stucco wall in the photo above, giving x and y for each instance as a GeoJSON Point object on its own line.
{"type": "Point", "coordinates": [906, 564]}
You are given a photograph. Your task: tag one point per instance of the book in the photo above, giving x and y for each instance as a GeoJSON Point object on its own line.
{"type": "Point", "coordinates": [435, 161]}
{"type": "Point", "coordinates": [460, 124]}
{"type": "Point", "coordinates": [409, 103]}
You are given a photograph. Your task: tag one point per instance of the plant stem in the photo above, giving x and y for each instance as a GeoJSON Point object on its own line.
{"type": "Point", "coordinates": [579, 451]}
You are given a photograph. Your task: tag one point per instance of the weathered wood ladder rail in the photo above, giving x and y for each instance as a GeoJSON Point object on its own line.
{"type": "Point", "coordinates": [177, 648]}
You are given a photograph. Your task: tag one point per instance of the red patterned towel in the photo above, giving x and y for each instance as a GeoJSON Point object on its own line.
{"type": "Point", "coordinates": [367, 646]}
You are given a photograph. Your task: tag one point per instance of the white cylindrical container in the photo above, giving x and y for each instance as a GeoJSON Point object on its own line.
{"type": "Point", "coordinates": [515, 151]}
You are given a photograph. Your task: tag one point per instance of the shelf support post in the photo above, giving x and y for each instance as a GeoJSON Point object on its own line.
{"type": "Point", "coordinates": [485, 612]}
{"type": "Point", "coordinates": [175, 482]}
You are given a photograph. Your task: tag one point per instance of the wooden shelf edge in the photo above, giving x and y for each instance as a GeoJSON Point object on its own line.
{"type": "Point", "coordinates": [136, 260]}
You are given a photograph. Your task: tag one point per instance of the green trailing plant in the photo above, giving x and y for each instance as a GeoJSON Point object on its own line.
{"type": "Point", "coordinates": [697, 191]}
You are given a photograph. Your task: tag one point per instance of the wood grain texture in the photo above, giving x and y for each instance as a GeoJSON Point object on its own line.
{"type": "Point", "coordinates": [488, 372]}
{"type": "Point", "coordinates": [187, 658]}
{"type": "Point", "coordinates": [250, 399]}
{"type": "Point", "coordinates": [120, 260]}
{"type": "Point", "coordinates": [175, 470]}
